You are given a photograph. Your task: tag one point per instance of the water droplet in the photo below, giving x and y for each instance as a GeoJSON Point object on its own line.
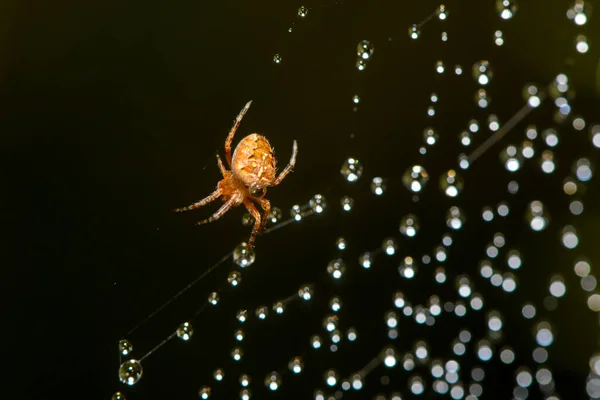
{"type": "Point", "coordinates": [130, 372]}
{"type": "Point", "coordinates": [365, 49]}
{"type": "Point", "coordinates": [347, 203]}
{"type": "Point", "coordinates": [408, 268]}
{"type": "Point", "coordinates": [279, 307]}
{"type": "Point", "coordinates": [213, 298]}
{"type": "Point", "coordinates": [451, 183]}
{"type": "Point", "coordinates": [498, 38]}
{"type": "Point", "coordinates": [125, 347]}
{"type": "Point", "coordinates": [218, 374]}
{"type": "Point", "coordinates": [118, 396]}
{"type": "Point", "coordinates": [275, 215]}
{"type": "Point", "coordinates": [277, 59]}
{"type": "Point", "coordinates": [352, 169]}
{"type": "Point", "coordinates": [473, 125]}
{"type": "Point", "coordinates": [318, 203]}
{"type": "Point", "coordinates": [296, 365]}
{"type": "Point", "coordinates": [569, 237]}
{"type": "Point", "coordinates": [482, 99]}
{"type": "Point", "coordinates": [510, 157]}
{"type": "Point", "coordinates": [581, 44]}
{"type": "Point", "coordinates": [378, 186]}
{"type": "Point", "coordinates": [331, 377]}
{"type": "Point", "coordinates": [441, 12]}
{"type": "Point", "coordinates": [336, 268]}
{"type": "Point", "coordinates": [439, 67]}
{"type": "Point", "coordinates": [414, 32]}
{"type": "Point", "coordinates": [463, 161]}
{"type": "Point", "coordinates": [578, 123]}
{"type": "Point", "coordinates": [547, 162]}
{"type": "Point", "coordinates": [242, 315]}
{"type": "Point", "coordinates": [493, 122]}
{"type": "Point", "coordinates": [356, 99]}
{"type": "Point", "coordinates": [531, 94]}
{"type": "Point", "coordinates": [204, 392]}
{"type": "Point", "coordinates": [361, 64]}
{"type": "Point", "coordinates": [243, 256]}
{"type": "Point", "coordinates": [261, 312]}
{"type": "Point", "coordinates": [537, 216]}
{"type": "Point", "coordinates": [389, 246]}
{"type": "Point", "coordinates": [340, 243]}
{"type": "Point", "coordinates": [335, 304]}
{"type": "Point", "coordinates": [185, 331]}
{"type": "Point", "coordinates": [579, 14]}
{"type": "Point", "coordinates": [247, 219]}
{"type": "Point", "coordinates": [415, 178]}
{"type": "Point", "coordinates": [582, 168]}
{"type": "Point", "coordinates": [244, 380]}
{"type": "Point", "coordinates": [550, 136]}
{"type": "Point", "coordinates": [506, 8]}
{"type": "Point", "coordinates": [237, 354]}
{"type": "Point", "coordinates": [306, 292]}
{"type": "Point", "coordinates": [273, 380]}
{"type": "Point", "coordinates": [465, 138]}
{"type": "Point", "coordinates": [234, 278]}
{"type": "Point", "coordinates": [366, 260]}
{"type": "Point", "coordinates": [482, 72]}
{"type": "Point", "coordinates": [455, 218]}
{"type": "Point", "coordinates": [409, 225]}
{"type": "Point", "coordinates": [296, 213]}
{"type": "Point", "coordinates": [430, 136]}
{"type": "Point", "coordinates": [302, 12]}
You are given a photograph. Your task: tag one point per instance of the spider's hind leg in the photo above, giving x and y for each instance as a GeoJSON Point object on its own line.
{"type": "Point", "coordinates": [236, 124]}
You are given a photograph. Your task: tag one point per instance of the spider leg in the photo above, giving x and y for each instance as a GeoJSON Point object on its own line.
{"type": "Point", "coordinates": [208, 199]}
{"type": "Point", "coordinates": [219, 213]}
{"type": "Point", "coordinates": [257, 221]}
{"type": "Point", "coordinates": [221, 166]}
{"type": "Point", "coordinates": [266, 206]}
{"type": "Point", "coordinates": [236, 124]}
{"type": "Point", "coordinates": [289, 167]}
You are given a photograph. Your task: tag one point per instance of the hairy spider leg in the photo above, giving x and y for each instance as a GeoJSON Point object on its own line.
{"type": "Point", "coordinates": [257, 222]}
{"type": "Point", "coordinates": [221, 166]}
{"type": "Point", "coordinates": [208, 199]}
{"type": "Point", "coordinates": [219, 213]}
{"type": "Point", "coordinates": [236, 124]}
{"type": "Point", "coordinates": [289, 167]}
{"type": "Point", "coordinates": [266, 206]}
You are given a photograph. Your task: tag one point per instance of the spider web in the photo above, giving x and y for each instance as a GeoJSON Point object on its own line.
{"type": "Point", "coordinates": [454, 231]}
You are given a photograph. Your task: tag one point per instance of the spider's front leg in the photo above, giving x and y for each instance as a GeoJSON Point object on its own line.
{"type": "Point", "coordinates": [289, 167]}
{"type": "Point", "coordinates": [236, 124]}
{"type": "Point", "coordinates": [221, 166]}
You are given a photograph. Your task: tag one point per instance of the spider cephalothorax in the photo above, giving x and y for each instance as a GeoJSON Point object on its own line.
{"type": "Point", "coordinates": [253, 170]}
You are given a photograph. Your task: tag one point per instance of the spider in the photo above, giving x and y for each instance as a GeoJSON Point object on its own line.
{"type": "Point", "coordinates": [253, 169]}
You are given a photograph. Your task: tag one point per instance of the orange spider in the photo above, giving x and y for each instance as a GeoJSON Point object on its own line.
{"type": "Point", "coordinates": [252, 171]}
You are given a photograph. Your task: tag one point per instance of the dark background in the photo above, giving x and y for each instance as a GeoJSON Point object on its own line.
{"type": "Point", "coordinates": [111, 115]}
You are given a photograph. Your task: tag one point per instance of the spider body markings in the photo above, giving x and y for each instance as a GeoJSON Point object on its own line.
{"type": "Point", "coordinates": [252, 171]}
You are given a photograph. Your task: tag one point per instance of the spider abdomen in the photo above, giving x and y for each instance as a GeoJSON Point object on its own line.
{"type": "Point", "coordinates": [253, 162]}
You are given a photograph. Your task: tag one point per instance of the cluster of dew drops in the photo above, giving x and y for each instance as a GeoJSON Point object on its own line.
{"type": "Point", "coordinates": [446, 375]}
